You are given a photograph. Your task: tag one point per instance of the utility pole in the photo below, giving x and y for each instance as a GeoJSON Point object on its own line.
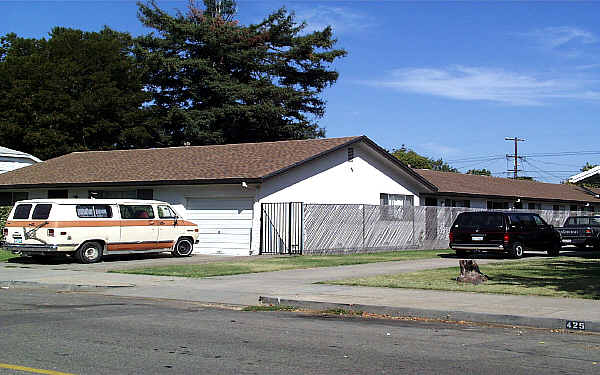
{"type": "Point", "coordinates": [515, 156]}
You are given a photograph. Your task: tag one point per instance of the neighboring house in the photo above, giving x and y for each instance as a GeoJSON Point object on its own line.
{"type": "Point", "coordinates": [222, 187]}
{"type": "Point", "coordinates": [11, 160]}
{"type": "Point", "coordinates": [591, 176]}
{"type": "Point", "coordinates": [466, 190]}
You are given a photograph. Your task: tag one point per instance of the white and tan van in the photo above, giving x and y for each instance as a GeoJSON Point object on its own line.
{"type": "Point", "coordinates": [91, 228]}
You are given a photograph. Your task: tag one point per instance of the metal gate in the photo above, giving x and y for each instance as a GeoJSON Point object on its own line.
{"type": "Point", "coordinates": [281, 228]}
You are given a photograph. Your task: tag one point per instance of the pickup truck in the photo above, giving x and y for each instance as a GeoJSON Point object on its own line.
{"type": "Point", "coordinates": [581, 231]}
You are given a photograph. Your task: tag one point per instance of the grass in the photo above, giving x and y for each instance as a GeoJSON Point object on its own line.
{"type": "Point", "coordinates": [6, 255]}
{"type": "Point", "coordinates": [281, 263]}
{"type": "Point", "coordinates": [571, 277]}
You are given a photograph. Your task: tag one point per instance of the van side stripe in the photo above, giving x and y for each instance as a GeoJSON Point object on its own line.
{"type": "Point", "coordinates": [139, 246]}
{"type": "Point", "coordinates": [98, 223]}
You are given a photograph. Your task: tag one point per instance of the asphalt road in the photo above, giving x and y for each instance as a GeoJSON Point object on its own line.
{"type": "Point", "coordinates": [93, 334]}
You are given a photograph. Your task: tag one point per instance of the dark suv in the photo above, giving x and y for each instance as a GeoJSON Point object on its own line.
{"type": "Point", "coordinates": [510, 232]}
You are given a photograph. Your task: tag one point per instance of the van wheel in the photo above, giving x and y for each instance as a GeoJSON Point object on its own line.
{"type": "Point", "coordinates": [89, 252]}
{"type": "Point", "coordinates": [183, 248]}
{"type": "Point", "coordinates": [516, 250]}
{"type": "Point", "coordinates": [554, 250]}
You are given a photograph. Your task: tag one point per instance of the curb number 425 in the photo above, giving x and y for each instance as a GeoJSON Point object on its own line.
{"type": "Point", "coordinates": [573, 324]}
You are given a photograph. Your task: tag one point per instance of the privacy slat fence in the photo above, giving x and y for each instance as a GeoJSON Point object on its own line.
{"type": "Point", "coordinates": [296, 228]}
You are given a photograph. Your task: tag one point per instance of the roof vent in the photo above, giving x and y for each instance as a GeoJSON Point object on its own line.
{"type": "Point", "coordinates": [350, 153]}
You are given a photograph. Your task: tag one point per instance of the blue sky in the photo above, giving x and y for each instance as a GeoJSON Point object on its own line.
{"type": "Point", "coordinates": [447, 79]}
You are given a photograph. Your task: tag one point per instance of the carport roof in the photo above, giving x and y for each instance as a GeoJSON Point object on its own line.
{"type": "Point", "coordinates": [248, 162]}
{"type": "Point", "coordinates": [449, 183]}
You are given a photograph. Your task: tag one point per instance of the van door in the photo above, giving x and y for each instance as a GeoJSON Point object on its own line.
{"type": "Point", "coordinates": [167, 231]}
{"type": "Point", "coordinates": [139, 231]}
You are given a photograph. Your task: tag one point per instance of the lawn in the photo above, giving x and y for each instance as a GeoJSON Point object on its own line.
{"type": "Point", "coordinates": [260, 264]}
{"type": "Point", "coordinates": [571, 277]}
{"type": "Point", "coordinates": [6, 255]}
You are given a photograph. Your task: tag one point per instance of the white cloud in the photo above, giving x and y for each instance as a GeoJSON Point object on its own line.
{"type": "Point", "coordinates": [566, 40]}
{"type": "Point", "coordinates": [339, 18]}
{"type": "Point", "coordinates": [484, 84]}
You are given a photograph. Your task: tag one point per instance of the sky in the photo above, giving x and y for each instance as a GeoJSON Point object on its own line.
{"type": "Point", "coordinates": [447, 79]}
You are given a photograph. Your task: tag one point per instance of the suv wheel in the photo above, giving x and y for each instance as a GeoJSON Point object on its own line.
{"type": "Point", "coordinates": [554, 250]}
{"type": "Point", "coordinates": [516, 251]}
{"type": "Point", "coordinates": [89, 252]}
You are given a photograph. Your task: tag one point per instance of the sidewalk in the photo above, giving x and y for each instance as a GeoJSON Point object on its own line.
{"type": "Point", "coordinates": [296, 287]}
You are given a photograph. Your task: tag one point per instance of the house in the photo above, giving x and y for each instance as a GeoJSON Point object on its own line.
{"type": "Point", "coordinates": [466, 190]}
{"type": "Point", "coordinates": [11, 160]}
{"type": "Point", "coordinates": [591, 176]}
{"type": "Point", "coordinates": [237, 193]}
{"type": "Point", "coordinates": [222, 187]}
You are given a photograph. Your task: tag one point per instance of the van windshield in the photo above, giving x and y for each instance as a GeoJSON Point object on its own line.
{"type": "Point", "coordinates": [480, 221]}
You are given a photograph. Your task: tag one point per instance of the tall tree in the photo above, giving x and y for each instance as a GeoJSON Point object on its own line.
{"type": "Point", "coordinates": [215, 81]}
{"type": "Point", "coordinates": [588, 166]}
{"type": "Point", "coordinates": [480, 172]}
{"type": "Point", "coordinates": [74, 91]}
{"type": "Point", "coordinates": [414, 160]}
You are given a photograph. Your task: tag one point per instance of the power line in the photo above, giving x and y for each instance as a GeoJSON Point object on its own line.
{"type": "Point", "coordinates": [516, 155]}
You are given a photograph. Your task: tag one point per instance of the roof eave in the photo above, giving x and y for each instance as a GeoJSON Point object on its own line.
{"type": "Point", "coordinates": [252, 180]}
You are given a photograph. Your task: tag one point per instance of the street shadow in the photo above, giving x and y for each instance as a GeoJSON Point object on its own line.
{"type": "Point", "coordinates": [69, 259]}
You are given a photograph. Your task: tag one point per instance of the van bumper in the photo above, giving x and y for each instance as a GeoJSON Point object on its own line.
{"type": "Point", "coordinates": [477, 247]}
{"type": "Point", "coordinates": [29, 248]}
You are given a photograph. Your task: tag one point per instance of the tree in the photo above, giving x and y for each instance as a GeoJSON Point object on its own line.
{"type": "Point", "coordinates": [414, 160]}
{"type": "Point", "coordinates": [481, 172]}
{"type": "Point", "coordinates": [74, 91]}
{"type": "Point", "coordinates": [214, 81]}
{"type": "Point", "coordinates": [588, 166]}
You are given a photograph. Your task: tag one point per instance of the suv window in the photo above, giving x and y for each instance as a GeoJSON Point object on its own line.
{"type": "Point", "coordinates": [41, 211]}
{"type": "Point", "coordinates": [137, 212]}
{"type": "Point", "coordinates": [93, 210]}
{"type": "Point", "coordinates": [480, 220]}
{"type": "Point", "coordinates": [22, 211]}
{"type": "Point", "coordinates": [538, 220]}
{"type": "Point", "coordinates": [165, 212]}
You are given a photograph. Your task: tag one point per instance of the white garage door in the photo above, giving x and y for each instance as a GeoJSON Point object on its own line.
{"type": "Point", "coordinates": [225, 225]}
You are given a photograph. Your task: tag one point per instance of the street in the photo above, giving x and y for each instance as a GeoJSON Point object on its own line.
{"type": "Point", "coordinates": [84, 333]}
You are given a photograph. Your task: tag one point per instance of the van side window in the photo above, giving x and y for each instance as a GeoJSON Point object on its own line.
{"type": "Point", "coordinates": [41, 211]}
{"type": "Point", "coordinates": [136, 212]}
{"type": "Point", "coordinates": [93, 210]}
{"type": "Point", "coordinates": [164, 212]}
{"type": "Point", "coordinates": [22, 211]}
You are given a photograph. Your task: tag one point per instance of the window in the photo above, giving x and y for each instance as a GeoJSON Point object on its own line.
{"type": "Point", "coordinates": [491, 205]}
{"type": "Point", "coordinates": [518, 205]}
{"type": "Point", "coordinates": [556, 207]}
{"type": "Point", "coordinates": [538, 220]}
{"type": "Point", "coordinates": [396, 199]}
{"type": "Point", "coordinates": [147, 194]}
{"type": "Point", "coordinates": [137, 212]}
{"type": "Point", "coordinates": [392, 206]}
{"type": "Point", "coordinates": [93, 210]}
{"type": "Point", "coordinates": [430, 202]}
{"type": "Point", "coordinates": [350, 153]}
{"type": "Point", "coordinates": [573, 207]}
{"type": "Point", "coordinates": [41, 211]}
{"type": "Point", "coordinates": [54, 194]}
{"type": "Point", "coordinates": [22, 211]}
{"type": "Point", "coordinates": [164, 212]}
{"type": "Point", "coordinates": [9, 198]}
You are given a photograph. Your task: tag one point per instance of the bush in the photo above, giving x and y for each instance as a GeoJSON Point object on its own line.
{"type": "Point", "coordinates": [4, 211]}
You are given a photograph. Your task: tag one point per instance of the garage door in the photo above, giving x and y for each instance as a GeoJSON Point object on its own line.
{"type": "Point", "coordinates": [225, 225]}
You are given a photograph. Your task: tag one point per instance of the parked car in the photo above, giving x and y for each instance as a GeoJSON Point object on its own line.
{"type": "Point", "coordinates": [91, 228]}
{"type": "Point", "coordinates": [581, 231]}
{"type": "Point", "coordinates": [507, 232]}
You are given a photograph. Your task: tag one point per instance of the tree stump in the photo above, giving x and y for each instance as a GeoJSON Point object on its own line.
{"type": "Point", "coordinates": [470, 273]}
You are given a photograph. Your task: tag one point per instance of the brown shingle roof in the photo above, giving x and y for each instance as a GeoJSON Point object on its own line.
{"type": "Point", "coordinates": [194, 164]}
{"type": "Point", "coordinates": [467, 184]}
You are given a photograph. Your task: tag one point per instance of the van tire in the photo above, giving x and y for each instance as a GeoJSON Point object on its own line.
{"type": "Point", "coordinates": [183, 248]}
{"type": "Point", "coordinates": [516, 251]}
{"type": "Point", "coordinates": [89, 252]}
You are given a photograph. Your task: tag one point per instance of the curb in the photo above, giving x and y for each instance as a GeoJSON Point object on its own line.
{"type": "Point", "coordinates": [511, 320]}
{"type": "Point", "coordinates": [8, 284]}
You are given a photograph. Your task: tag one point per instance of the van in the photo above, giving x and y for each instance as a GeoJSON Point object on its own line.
{"type": "Point", "coordinates": [92, 228]}
{"type": "Point", "coordinates": [507, 232]}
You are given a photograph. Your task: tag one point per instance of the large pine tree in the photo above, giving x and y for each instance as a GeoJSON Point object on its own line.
{"type": "Point", "coordinates": [74, 91]}
{"type": "Point", "coordinates": [215, 81]}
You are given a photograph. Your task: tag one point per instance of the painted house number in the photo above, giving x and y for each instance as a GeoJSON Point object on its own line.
{"type": "Point", "coordinates": [573, 324]}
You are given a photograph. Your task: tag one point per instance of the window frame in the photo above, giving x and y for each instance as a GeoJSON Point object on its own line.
{"type": "Point", "coordinates": [150, 217]}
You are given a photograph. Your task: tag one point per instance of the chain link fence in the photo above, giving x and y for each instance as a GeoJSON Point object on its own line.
{"type": "Point", "coordinates": [354, 228]}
